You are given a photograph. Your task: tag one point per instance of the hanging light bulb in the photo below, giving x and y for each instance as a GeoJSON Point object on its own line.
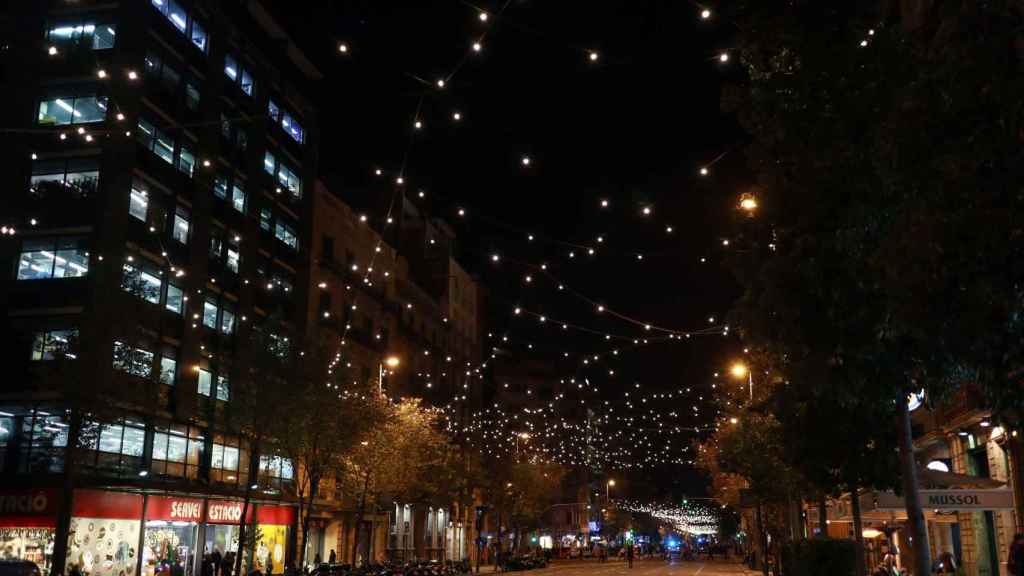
{"type": "Point", "coordinates": [705, 14]}
{"type": "Point", "coordinates": [456, 116]}
{"type": "Point", "coordinates": [748, 203]}
{"type": "Point", "coordinates": [343, 48]}
{"type": "Point", "coordinates": [723, 57]}
{"type": "Point", "coordinates": [593, 56]}
{"type": "Point", "coordinates": [526, 160]}
{"type": "Point", "coordinates": [477, 47]}
{"type": "Point", "coordinates": [483, 16]}
{"type": "Point", "coordinates": [604, 203]}
{"type": "Point", "coordinates": [440, 83]}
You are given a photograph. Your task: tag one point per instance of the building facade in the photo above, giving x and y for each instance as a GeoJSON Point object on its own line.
{"type": "Point", "coordinates": [159, 179]}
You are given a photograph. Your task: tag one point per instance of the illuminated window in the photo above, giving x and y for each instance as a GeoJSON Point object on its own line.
{"type": "Point", "coordinates": [45, 258]}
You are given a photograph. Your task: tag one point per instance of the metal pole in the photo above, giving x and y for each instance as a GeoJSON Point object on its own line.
{"type": "Point", "coordinates": [380, 378]}
{"type": "Point", "coordinates": [750, 381]}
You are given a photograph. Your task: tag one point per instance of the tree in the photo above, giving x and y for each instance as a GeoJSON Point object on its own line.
{"type": "Point", "coordinates": [885, 139]}
{"type": "Point", "coordinates": [316, 424]}
{"type": "Point", "coordinates": [401, 447]}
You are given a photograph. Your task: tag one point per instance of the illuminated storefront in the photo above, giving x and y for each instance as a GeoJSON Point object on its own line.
{"type": "Point", "coordinates": [273, 523]}
{"type": "Point", "coordinates": [104, 536]}
{"type": "Point", "coordinates": [28, 520]}
{"type": "Point", "coordinates": [171, 534]}
{"type": "Point", "coordinates": [222, 518]}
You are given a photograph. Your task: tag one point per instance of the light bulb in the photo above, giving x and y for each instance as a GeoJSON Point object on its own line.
{"type": "Point", "coordinates": [440, 83]}
{"type": "Point", "coordinates": [132, 75]}
{"type": "Point", "coordinates": [604, 203]}
{"type": "Point", "coordinates": [399, 180]}
{"type": "Point", "coordinates": [52, 51]}
{"type": "Point", "coordinates": [462, 212]}
{"type": "Point", "coordinates": [723, 57]}
{"type": "Point", "coordinates": [863, 43]}
{"type": "Point", "coordinates": [705, 14]}
{"type": "Point", "coordinates": [101, 73]}
{"type": "Point", "coordinates": [477, 47]}
{"type": "Point", "coordinates": [483, 16]}
{"type": "Point", "coordinates": [703, 171]}
{"type": "Point", "coordinates": [526, 160]}
{"type": "Point", "coordinates": [594, 56]}
{"type": "Point", "coordinates": [418, 125]}
{"type": "Point", "coordinates": [457, 116]}
{"type": "Point", "coordinates": [378, 172]}
{"type": "Point", "coordinates": [343, 48]}
{"type": "Point", "coordinates": [647, 210]}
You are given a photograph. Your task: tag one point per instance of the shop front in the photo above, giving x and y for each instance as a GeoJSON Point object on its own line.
{"type": "Point", "coordinates": [221, 537]}
{"type": "Point", "coordinates": [28, 522]}
{"type": "Point", "coordinates": [104, 537]}
{"type": "Point", "coordinates": [171, 535]}
{"type": "Point", "coordinates": [273, 524]}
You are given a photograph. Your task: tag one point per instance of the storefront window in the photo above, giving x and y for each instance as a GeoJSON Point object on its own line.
{"type": "Point", "coordinates": [27, 526]}
{"type": "Point", "coordinates": [104, 536]}
{"type": "Point", "coordinates": [171, 536]}
{"type": "Point", "coordinates": [273, 523]}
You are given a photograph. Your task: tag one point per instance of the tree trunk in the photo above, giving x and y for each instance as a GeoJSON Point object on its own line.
{"type": "Point", "coordinates": [822, 516]}
{"type": "Point", "coordinates": [911, 493]}
{"type": "Point", "coordinates": [60, 544]}
{"type": "Point", "coordinates": [858, 529]}
{"type": "Point", "coordinates": [308, 505]}
{"type": "Point", "coordinates": [241, 529]}
{"type": "Point", "coordinates": [360, 513]}
{"type": "Point", "coordinates": [763, 539]}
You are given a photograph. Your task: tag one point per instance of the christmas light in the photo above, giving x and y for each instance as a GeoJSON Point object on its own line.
{"type": "Point", "coordinates": [705, 14]}
{"type": "Point", "coordinates": [483, 16]}
{"type": "Point", "coordinates": [723, 57]}
{"type": "Point", "coordinates": [477, 47]}
{"type": "Point", "coordinates": [343, 48]}
{"type": "Point", "coordinates": [526, 160]}
{"type": "Point", "coordinates": [593, 56]}
{"type": "Point", "coordinates": [456, 116]}
{"type": "Point", "coordinates": [101, 73]}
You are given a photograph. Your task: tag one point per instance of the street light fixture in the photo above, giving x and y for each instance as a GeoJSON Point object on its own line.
{"type": "Point", "coordinates": [739, 370]}
{"type": "Point", "coordinates": [391, 362]}
{"type": "Point", "coordinates": [607, 489]}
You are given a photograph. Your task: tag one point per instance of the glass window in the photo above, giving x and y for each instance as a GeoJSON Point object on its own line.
{"type": "Point", "coordinates": [168, 370]}
{"type": "Point", "coordinates": [232, 260]}
{"type": "Point", "coordinates": [186, 160]}
{"type": "Point", "coordinates": [274, 111]}
{"type": "Point", "coordinates": [269, 163]}
{"type": "Point", "coordinates": [227, 322]}
{"type": "Point", "coordinates": [95, 36]}
{"type": "Point", "coordinates": [223, 388]}
{"type": "Point", "coordinates": [52, 344]}
{"type": "Point", "coordinates": [53, 258]}
{"type": "Point", "coordinates": [238, 197]}
{"type": "Point", "coordinates": [163, 145]}
{"type": "Point", "coordinates": [216, 244]}
{"type": "Point", "coordinates": [289, 181]}
{"type": "Point", "coordinates": [286, 234]}
{"type": "Point", "coordinates": [145, 133]}
{"type": "Point", "coordinates": [142, 284]}
{"type": "Point", "coordinates": [132, 360]}
{"type": "Point", "coordinates": [198, 36]}
{"type": "Point", "coordinates": [170, 77]}
{"type": "Point", "coordinates": [192, 96]}
{"type": "Point", "coordinates": [246, 83]}
{"type": "Point", "coordinates": [180, 230]}
{"type": "Point", "coordinates": [176, 14]}
{"type": "Point", "coordinates": [138, 201]}
{"type": "Point", "coordinates": [110, 438]}
{"type": "Point", "coordinates": [175, 299]}
{"type": "Point", "coordinates": [79, 110]}
{"type": "Point", "coordinates": [77, 176]}
{"type": "Point", "coordinates": [265, 218]}
{"type": "Point", "coordinates": [292, 128]}
{"type": "Point", "coordinates": [230, 67]}
{"type": "Point", "coordinates": [210, 314]}
{"type": "Point", "coordinates": [151, 63]}
{"type": "Point", "coordinates": [205, 382]}
{"type": "Point", "coordinates": [220, 186]}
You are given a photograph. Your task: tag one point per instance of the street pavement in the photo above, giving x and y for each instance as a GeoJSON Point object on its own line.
{"type": "Point", "coordinates": [647, 567]}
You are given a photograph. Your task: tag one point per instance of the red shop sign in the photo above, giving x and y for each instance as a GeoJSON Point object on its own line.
{"type": "Point", "coordinates": [227, 512]}
{"type": "Point", "coordinates": [102, 504]}
{"type": "Point", "coordinates": [275, 515]}
{"type": "Point", "coordinates": [174, 509]}
{"type": "Point", "coordinates": [29, 508]}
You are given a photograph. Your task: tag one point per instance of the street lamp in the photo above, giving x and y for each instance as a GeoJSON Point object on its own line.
{"type": "Point", "coordinates": [739, 370]}
{"type": "Point", "coordinates": [607, 489]}
{"type": "Point", "coordinates": [391, 362]}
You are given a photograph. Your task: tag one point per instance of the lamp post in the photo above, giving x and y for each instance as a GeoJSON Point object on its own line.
{"type": "Point", "coordinates": [607, 489]}
{"type": "Point", "coordinates": [391, 362]}
{"type": "Point", "coordinates": [739, 370]}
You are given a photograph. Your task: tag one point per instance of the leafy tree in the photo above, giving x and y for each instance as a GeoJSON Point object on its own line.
{"type": "Point", "coordinates": [885, 139]}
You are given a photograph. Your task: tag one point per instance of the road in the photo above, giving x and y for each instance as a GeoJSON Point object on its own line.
{"type": "Point", "coordinates": [640, 568]}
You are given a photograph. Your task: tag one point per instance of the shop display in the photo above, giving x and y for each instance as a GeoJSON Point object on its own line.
{"type": "Point", "coordinates": [172, 532]}
{"type": "Point", "coordinates": [104, 533]}
{"type": "Point", "coordinates": [273, 523]}
{"type": "Point", "coordinates": [28, 519]}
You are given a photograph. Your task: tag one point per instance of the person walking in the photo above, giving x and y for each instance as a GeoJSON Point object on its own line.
{"type": "Point", "coordinates": [216, 558]}
{"type": "Point", "coordinates": [333, 558]}
{"type": "Point", "coordinates": [228, 564]}
{"type": "Point", "coordinates": [269, 566]}
{"type": "Point", "coordinates": [629, 554]}
{"type": "Point", "coordinates": [1015, 561]}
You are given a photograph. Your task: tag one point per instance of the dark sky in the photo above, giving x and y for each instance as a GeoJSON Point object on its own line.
{"type": "Point", "coordinates": [633, 128]}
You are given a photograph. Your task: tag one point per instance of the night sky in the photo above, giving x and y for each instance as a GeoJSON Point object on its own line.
{"type": "Point", "coordinates": [634, 128]}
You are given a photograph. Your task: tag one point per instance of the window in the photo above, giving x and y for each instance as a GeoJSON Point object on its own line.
{"type": "Point", "coordinates": [286, 234]}
{"type": "Point", "coordinates": [43, 258]}
{"type": "Point", "coordinates": [216, 244]}
{"type": "Point", "coordinates": [168, 370]}
{"type": "Point", "coordinates": [175, 299]}
{"type": "Point", "coordinates": [275, 470]}
{"type": "Point", "coordinates": [180, 230]}
{"type": "Point", "coordinates": [141, 283]}
{"type": "Point", "coordinates": [285, 177]}
{"type": "Point", "coordinates": [53, 344]}
{"type": "Point", "coordinates": [205, 382]}
{"type": "Point", "coordinates": [224, 457]}
{"type": "Point", "coordinates": [78, 177]}
{"type": "Point", "coordinates": [85, 34]}
{"type": "Point", "coordinates": [135, 361]}
{"type": "Point", "coordinates": [192, 96]}
{"type": "Point", "coordinates": [266, 219]}
{"type": "Point", "coordinates": [292, 128]}
{"type": "Point", "coordinates": [238, 197]}
{"type": "Point", "coordinates": [138, 200]}
{"type": "Point", "coordinates": [177, 450]}
{"type": "Point", "coordinates": [238, 74]}
{"type": "Point", "coordinates": [233, 259]}
{"type": "Point", "coordinates": [227, 321]}
{"type": "Point", "coordinates": [182, 22]}
{"type": "Point", "coordinates": [186, 160]}
{"type": "Point", "coordinates": [274, 111]}
{"type": "Point", "coordinates": [128, 439]}
{"type": "Point", "coordinates": [72, 110]}
{"type": "Point", "coordinates": [210, 314]}
{"type": "Point", "coordinates": [223, 388]}
{"type": "Point", "coordinates": [162, 72]}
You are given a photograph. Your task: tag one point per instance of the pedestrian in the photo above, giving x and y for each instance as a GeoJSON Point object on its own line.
{"type": "Point", "coordinates": [227, 565]}
{"type": "Point", "coordinates": [216, 558]}
{"type": "Point", "coordinates": [268, 568]}
{"type": "Point", "coordinates": [629, 554]}
{"type": "Point", "coordinates": [316, 559]}
{"type": "Point", "coordinates": [1015, 562]}
{"type": "Point", "coordinates": [75, 570]}
{"type": "Point", "coordinates": [332, 558]}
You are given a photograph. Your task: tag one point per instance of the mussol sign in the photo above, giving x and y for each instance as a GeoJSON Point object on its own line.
{"type": "Point", "coordinates": [951, 500]}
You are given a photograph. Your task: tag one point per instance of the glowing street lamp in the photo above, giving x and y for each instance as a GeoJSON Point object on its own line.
{"type": "Point", "coordinates": [391, 362]}
{"type": "Point", "coordinates": [748, 203]}
{"type": "Point", "coordinates": [739, 370]}
{"type": "Point", "coordinates": [607, 489]}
